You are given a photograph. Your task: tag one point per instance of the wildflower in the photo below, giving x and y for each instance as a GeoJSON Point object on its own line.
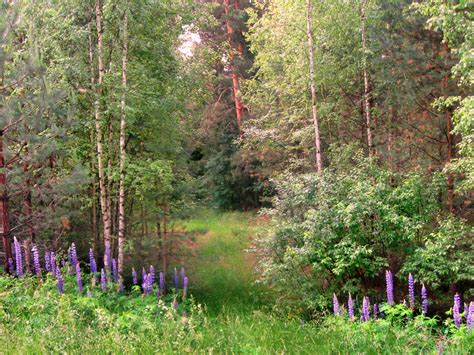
{"type": "Point", "coordinates": [19, 260]}
{"type": "Point", "coordinates": [152, 275]}
{"type": "Point", "coordinates": [162, 283]}
{"type": "Point", "coordinates": [92, 263]}
{"type": "Point", "coordinates": [470, 316]}
{"type": "Point", "coordinates": [149, 284]}
{"type": "Point", "coordinates": [366, 309]}
{"type": "Point", "coordinates": [60, 281]}
{"type": "Point", "coordinates": [424, 300]}
{"type": "Point", "coordinates": [114, 270]}
{"type": "Point", "coordinates": [134, 276]}
{"type": "Point", "coordinates": [73, 255]}
{"type": "Point", "coordinates": [36, 262]}
{"type": "Point", "coordinates": [175, 304]}
{"type": "Point", "coordinates": [11, 269]}
{"type": "Point", "coordinates": [376, 311]}
{"type": "Point", "coordinates": [185, 287]}
{"type": "Point", "coordinates": [456, 310]}
{"type": "Point", "coordinates": [47, 261]}
{"type": "Point", "coordinates": [389, 281]}
{"type": "Point", "coordinates": [78, 277]}
{"type": "Point", "coordinates": [411, 291]}
{"type": "Point", "coordinates": [103, 281]}
{"type": "Point", "coordinates": [335, 305]}
{"type": "Point", "coordinates": [143, 274]}
{"type": "Point", "coordinates": [53, 264]}
{"type": "Point", "coordinates": [145, 284]}
{"type": "Point", "coordinates": [158, 294]}
{"type": "Point", "coordinates": [350, 307]}
{"type": "Point", "coordinates": [176, 278]}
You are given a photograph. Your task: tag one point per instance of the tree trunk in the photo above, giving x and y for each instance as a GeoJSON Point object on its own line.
{"type": "Point", "coordinates": [164, 241]}
{"type": "Point", "coordinates": [239, 108]}
{"type": "Point", "coordinates": [123, 155]}
{"type": "Point", "coordinates": [98, 125]}
{"type": "Point", "coordinates": [367, 86]}
{"type": "Point", "coordinates": [314, 110]}
{"type": "Point", "coordinates": [4, 215]}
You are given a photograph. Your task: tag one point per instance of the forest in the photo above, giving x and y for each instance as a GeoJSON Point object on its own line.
{"type": "Point", "coordinates": [237, 176]}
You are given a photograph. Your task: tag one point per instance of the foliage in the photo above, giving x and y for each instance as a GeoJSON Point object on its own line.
{"type": "Point", "coordinates": [339, 231]}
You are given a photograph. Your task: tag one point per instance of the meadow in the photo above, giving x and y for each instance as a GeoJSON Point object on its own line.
{"type": "Point", "coordinates": [225, 311]}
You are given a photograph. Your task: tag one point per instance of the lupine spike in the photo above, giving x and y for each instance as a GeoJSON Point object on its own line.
{"type": "Point", "coordinates": [107, 258]}
{"type": "Point", "coordinates": [36, 261]}
{"type": "Point", "coordinates": [335, 305]}
{"type": "Point", "coordinates": [185, 287]}
{"type": "Point", "coordinates": [114, 270]}
{"type": "Point", "coordinates": [411, 291]}
{"type": "Point", "coordinates": [78, 277]}
{"type": "Point", "coordinates": [424, 300]}
{"type": "Point", "coordinates": [47, 261]}
{"type": "Point", "coordinates": [376, 311]}
{"type": "Point", "coordinates": [456, 310]}
{"type": "Point", "coordinates": [470, 316]}
{"type": "Point", "coordinates": [389, 281]}
{"type": "Point", "coordinates": [144, 274]}
{"type": "Point", "coordinates": [350, 307]}
{"type": "Point", "coordinates": [53, 263]}
{"type": "Point", "coordinates": [162, 282]}
{"type": "Point", "coordinates": [73, 255]}
{"type": "Point", "coordinates": [103, 280]}
{"type": "Point", "coordinates": [152, 275]}
{"type": "Point", "coordinates": [366, 309]}
{"type": "Point", "coordinates": [134, 277]}
{"type": "Point", "coordinates": [11, 268]}
{"type": "Point", "coordinates": [92, 263]}
{"type": "Point", "coordinates": [60, 281]}
{"type": "Point", "coordinates": [149, 284]}
{"type": "Point", "coordinates": [145, 284]}
{"type": "Point", "coordinates": [19, 259]}
{"type": "Point", "coordinates": [158, 294]}
{"type": "Point", "coordinates": [176, 278]}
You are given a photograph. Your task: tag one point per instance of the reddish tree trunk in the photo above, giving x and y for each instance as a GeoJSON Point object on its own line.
{"type": "Point", "coordinates": [239, 108]}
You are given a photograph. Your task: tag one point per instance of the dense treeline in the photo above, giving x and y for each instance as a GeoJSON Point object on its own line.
{"type": "Point", "coordinates": [352, 121]}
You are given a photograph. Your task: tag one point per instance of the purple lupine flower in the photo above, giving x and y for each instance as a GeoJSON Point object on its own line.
{"type": "Point", "coordinates": [411, 291]}
{"type": "Point", "coordinates": [134, 276]}
{"type": "Point", "coordinates": [470, 316]}
{"type": "Point", "coordinates": [60, 281]}
{"type": "Point", "coordinates": [19, 260]}
{"type": "Point", "coordinates": [456, 310]}
{"type": "Point", "coordinates": [78, 278]}
{"type": "Point", "coordinates": [183, 274]}
{"type": "Point", "coordinates": [114, 270]}
{"type": "Point", "coordinates": [176, 278]}
{"type": "Point", "coordinates": [366, 309]}
{"type": "Point", "coordinates": [149, 284]}
{"type": "Point", "coordinates": [389, 281]}
{"type": "Point", "coordinates": [376, 311]}
{"type": "Point", "coordinates": [424, 300]}
{"type": "Point", "coordinates": [73, 255]}
{"type": "Point", "coordinates": [152, 275]}
{"type": "Point", "coordinates": [36, 261]}
{"type": "Point", "coordinates": [185, 287]}
{"type": "Point", "coordinates": [145, 284]}
{"type": "Point", "coordinates": [350, 307]}
{"type": "Point", "coordinates": [158, 294]}
{"type": "Point", "coordinates": [47, 261]}
{"type": "Point", "coordinates": [143, 274]}
{"type": "Point", "coordinates": [335, 305]}
{"type": "Point", "coordinates": [92, 263]}
{"type": "Point", "coordinates": [11, 268]}
{"type": "Point", "coordinates": [53, 263]}
{"type": "Point", "coordinates": [162, 282]}
{"type": "Point", "coordinates": [103, 280]}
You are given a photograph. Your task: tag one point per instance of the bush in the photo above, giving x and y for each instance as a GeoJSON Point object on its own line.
{"type": "Point", "coordinates": [338, 231]}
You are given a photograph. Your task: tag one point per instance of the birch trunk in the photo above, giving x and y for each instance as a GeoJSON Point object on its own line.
{"type": "Point", "coordinates": [367, 88]}
{"type": "Point", "coordinates": [123, 153]}
{"type": "Point", "coordinates": [98, 125]}
{"type": "Point", "coordinates": [314, 110]}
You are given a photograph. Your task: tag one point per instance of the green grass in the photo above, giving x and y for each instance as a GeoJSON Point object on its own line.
{"type": "Point", "coordinates": [235, 316]}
